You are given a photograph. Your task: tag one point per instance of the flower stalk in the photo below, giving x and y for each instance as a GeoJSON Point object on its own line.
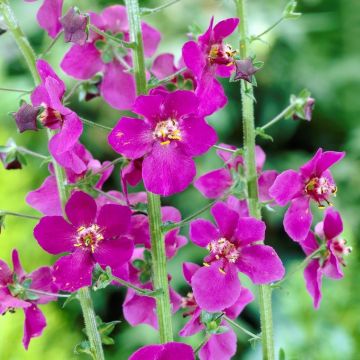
{"type": "Point", "coordinates": [251, 179]}
{"type": "Point", "coordinates": [30, 57]}
{"type": "Point", "coordinates": [160, 276]}
{"type": "Point", "coordinates": [25, 216]}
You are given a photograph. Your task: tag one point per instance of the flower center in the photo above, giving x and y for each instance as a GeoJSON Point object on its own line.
{"type": "Point", "coordinates": [320, 188]}
{"type": "Point", "coordinates": [222, 54]}
{"type": "Point", "coordinates": [51, 118]}
{"type": "Point", "coordinates": [166, 131]}
{"type": "Point", "coordinates": [224, 250]}
{"type": "Point", "coordinates": [88, 237]}
{"type": "Point", "coordinates": [340, 249]}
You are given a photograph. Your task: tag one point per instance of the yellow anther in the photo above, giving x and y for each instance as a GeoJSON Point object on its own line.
{"type": "Point", "coordinates": [222, 271]}
{"type": "Point", "coordinates": [167, 142]}
{"type": "Point", "coordinates": [206, 264]}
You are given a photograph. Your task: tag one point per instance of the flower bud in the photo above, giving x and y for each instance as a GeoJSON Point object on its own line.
{"type": "Point", "coordinates": [75, 26]}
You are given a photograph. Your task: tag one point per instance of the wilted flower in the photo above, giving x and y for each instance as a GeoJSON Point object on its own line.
{"type": "Point", "coordinates": [26, 117]}
{"type": "Point", "coordinates": [75, 26]}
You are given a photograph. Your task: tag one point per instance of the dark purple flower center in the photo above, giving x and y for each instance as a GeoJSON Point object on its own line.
{"type": "Point", "coordinates": [167, 131]}
{"type": "Point", "coordinates": [51, 118]}
{"type": "Point", "coordinates": [89, 237]}
{"type": "Point", "coordinates": [320, 189]}
{"type": "Point", "coordinates": [221, 54]}
{"type": "Point", "coordinates": [222, 249]}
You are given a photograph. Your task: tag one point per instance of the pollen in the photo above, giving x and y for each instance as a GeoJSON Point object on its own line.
{"type": "Point", "coordinates": [167, 131]}
{"type": "Point", "coordinates": [88, 237]}
{"type": "Point", "coordinates": [223, 249]}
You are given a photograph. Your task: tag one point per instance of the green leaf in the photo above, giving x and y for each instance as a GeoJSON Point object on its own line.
{"type": "Point", "coordinates": [84, 348]}
{"type": "Point", "coordinates": [144, 277]}
{"type": "Point", "coordinates": [27, 283]}
{"type": "Point", "coordinates": [147, 256]}
{"type": "Point", "coordinates": [102, 278]}
{"type": "Point", "coordinates": [289, 11]}
{"type": "Point", "coordinates": [260, 132]}
{"type": "Point", "coordinates": [139, 264]}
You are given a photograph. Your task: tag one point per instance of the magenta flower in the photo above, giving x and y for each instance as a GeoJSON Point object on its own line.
{"type": "Point", "coordinates": [131, 174]}
{"type": "Point", "coordinates": [210, 57]}
{"type": "Point", "coordinates": [89, 237]}
{"type": "Point", "coordinates": [46, 198]}
{"type": "Point", "coordinates": [219, 346]}
{"type": "Point", "coordinates": [75, 26]}
{"type": "Point", "coordinates": [168, 351]}
{"type": "Point", "coordinates": [49, 95]}
{"type": "Point", "coordinates": [312, 182]}
{"type": "Point", "coordinates": [232, 247]}
{"type": "Point", "coordinates": [49, 16]}
{"type": "Point", "coordinates": [15, 292]}
{"type": "Point", "coordinates": [216, 183]}
{"type": "Point", "coordinates": [332, 250]}
{"type": "Point", "coordinates": [168, 138]}
{"type": "Point", "coordinates": [99, 55]}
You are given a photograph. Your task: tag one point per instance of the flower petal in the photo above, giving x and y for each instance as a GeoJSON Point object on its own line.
{"type": "Point", "coordinates": [151, 39]}
{"type": "Point", "coordinates": [197, 137]}
{"type": "Point", "coordinates": [202, 232]}
{"type": "Point", "coordinates": [82, 62]}
{"type": "Point", "coordinates": [46, 198]}
{"type": "Point", "coordinates": [298, 218]}
{"type": "Point", "coordinates": [313, 280]}
{"type": "Point", "coordinates": [194, 58]}
{"type": "Point", "coordinates": [226, 219]}
{"type": "Point", "coordinates": [309, 169]}
{"type": "Point", "coordinates": [194, 325]}
{"type": "Point", "coordinates": [333, 225]}
{"type": "Point", "coordinates": [34, 325]}
{"type": "Point", "coordinates": [118, 87]}
{"type": "Point", "coordinates": [163, 65]}
{"type": "Point", "coordinates": [213, 290]}
{"type": "Point", "coordinates": [49, 16]}
{"type": "Point", "coordinates": [245, 298]}
{"type": "Point", "coordinates": [42, 280]}
{"type": "Point", "coordinates": [249, 230]}
{"type": "Point", "coordinates": [214, 183]}
{"type": "Point", "coordinates": [189, 269]}
{"type": "Point", "coordinates": [81, 209]}
{"type": "Point", "coordinates": [332, 267]}
{"type": "Point", "coordinates": [328, 158]}
{"type": "Point", "coordinates": [131, 137]}
{"type": "Point", "coordinates": [115, 18]}
{"type": "Point", "coordinates": [161, 169]}
{"type": "Point", "coordinates": [219, 346]}
{"type": "Point", "coordinates": [309, 244]}
{"type": "Point", "coordinates": [114, 253]}
{"type": "Point", "coordinates": [18, 269]}
{"type": "Point", "coordinates": [265, 181]}
{"type": "Point", "coordinates": [74, 271]}
{"type": "Point", "coordinates": [286, 186]}
{"type": "Point", "coordinates": [180, 103]}
{"type": "Point", "coordinates": [149, 106]}
{"type": "Point", "coordinates": [261, 264]}
{"type": "Point", "coordinates": [114, 220]}
{"type": "Point", "coordinates": [55, 235]}
{"type": "Point", "coordinates": [225, 28]}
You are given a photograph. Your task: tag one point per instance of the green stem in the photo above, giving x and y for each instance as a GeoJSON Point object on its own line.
{"type": "Point", "coordinates": [11, 213]}
{"type": "Point", "coordinates": [32, 153]}
{"type": "Point", "coordinates": [278, 117]}
{"type": "Point", "coordinates": [181, 223]}
{"type": "Point", "coordinates": [203, 342]}
{"type": "Point", "coordinates": [166, 79]}
{"type": "Point", "coordinates": [73, 90]}
{"type": "Point", "coordinates": [90, 323]}
{"type": "Point", "coordinates": [160, 276]}
{"type": "Point", "coordinates": [237, 326]}
{"type": "Point", "coordinates": [147, 11]}
{"type": "Point", "coordinates": [29, 55]}
{"type": "Point", "coordinates": [53, 42]}
{"type": "Point", "coordinates": [256, 37]}
{"type": "Point", "coordinates": [46, 293]}
{"type": "Point", "coordinates": [113, 38]}
{"type": "Point", "coordinates": [109, 196]}
{"type": "Point", "coordinates": [15, 90]}
{"type": "Point", "coordinates": [251, 178]}
{"type": "Point", "coordinates": [139, 290]}
{"type": "Point", "coordinates": [93, 124]}
{"type": "Point", "coordinates": [225, 149]}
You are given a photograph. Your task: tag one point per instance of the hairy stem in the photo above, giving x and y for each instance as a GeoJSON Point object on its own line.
{"type": "Point", "coordinates": [146, 11]}
{"type": "Point", "coordinates": [25, 216]}
{"type": "Point", "coordinates": [278, 117]}
{"type": "Point", "coordinates": [251, 178]}
{"type": "Point", "coordinates": [237, 326]}
{"type": "Point", "coordinates": [31, 153]}
{"type": "Point", "coordinates": [160, 277]}
{"type": "Point", "coordinates": [83, 294]}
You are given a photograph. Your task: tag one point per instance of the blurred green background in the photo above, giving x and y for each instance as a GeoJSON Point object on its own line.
{"type": "Point", "coordinates": [319, 51]}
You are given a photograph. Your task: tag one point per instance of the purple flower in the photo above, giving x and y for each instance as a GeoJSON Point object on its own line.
{"type": "Point", "coordinates": [26, 117]}
{"type": "Point", "coordinates": [130, 174]}
{"type": "Point", "coordinates": [312, 181]}
{"type": "Point", "coordinates": [75, 27]}
{"type": "Point", "coordinates": [219, 346]}
{"type": "Point", "coordinates": [216, 183]}
{"type": "Point", "coordinates": [233, 247]}
{"type": "Point", "coordinates": [46, 198]}
{"type": "Point", "coordinates": [209, 57]}
{"type": "Point", "coordinates": [49, 95]}
{"type": "Point", "coordinates": [49, 15]}
{"type": "Point", "coordinates": [168, 351]}
{"type": "Point", "coordinates": [15, 292]}
{"type": "Point", "coordinates": [332, 250]}
{"type": "Point", "coordinates": [170, 135]}
{"type": "Point", "coordinates": [90, 236]}
{"type": "Point", "coordinates": [100, 55]}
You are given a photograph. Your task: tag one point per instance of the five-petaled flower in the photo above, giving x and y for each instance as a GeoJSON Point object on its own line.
{"type": "Point", "coordinates": [167, 351]}
{"type": "Point", "coordinates": [170, 135]}
{"type": "Point", "coordinates": [232, 247]}
{"type": "Point", "coordinates": [91, 236]}
{"type": "Point", "coordinates": [218, 346]}
{"type": "Point", "coordinates": [330, 253]}
{"type": "Point", "coordinates": [16, 292]}
{"type": "Point", "coordinates": [313, 181]}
